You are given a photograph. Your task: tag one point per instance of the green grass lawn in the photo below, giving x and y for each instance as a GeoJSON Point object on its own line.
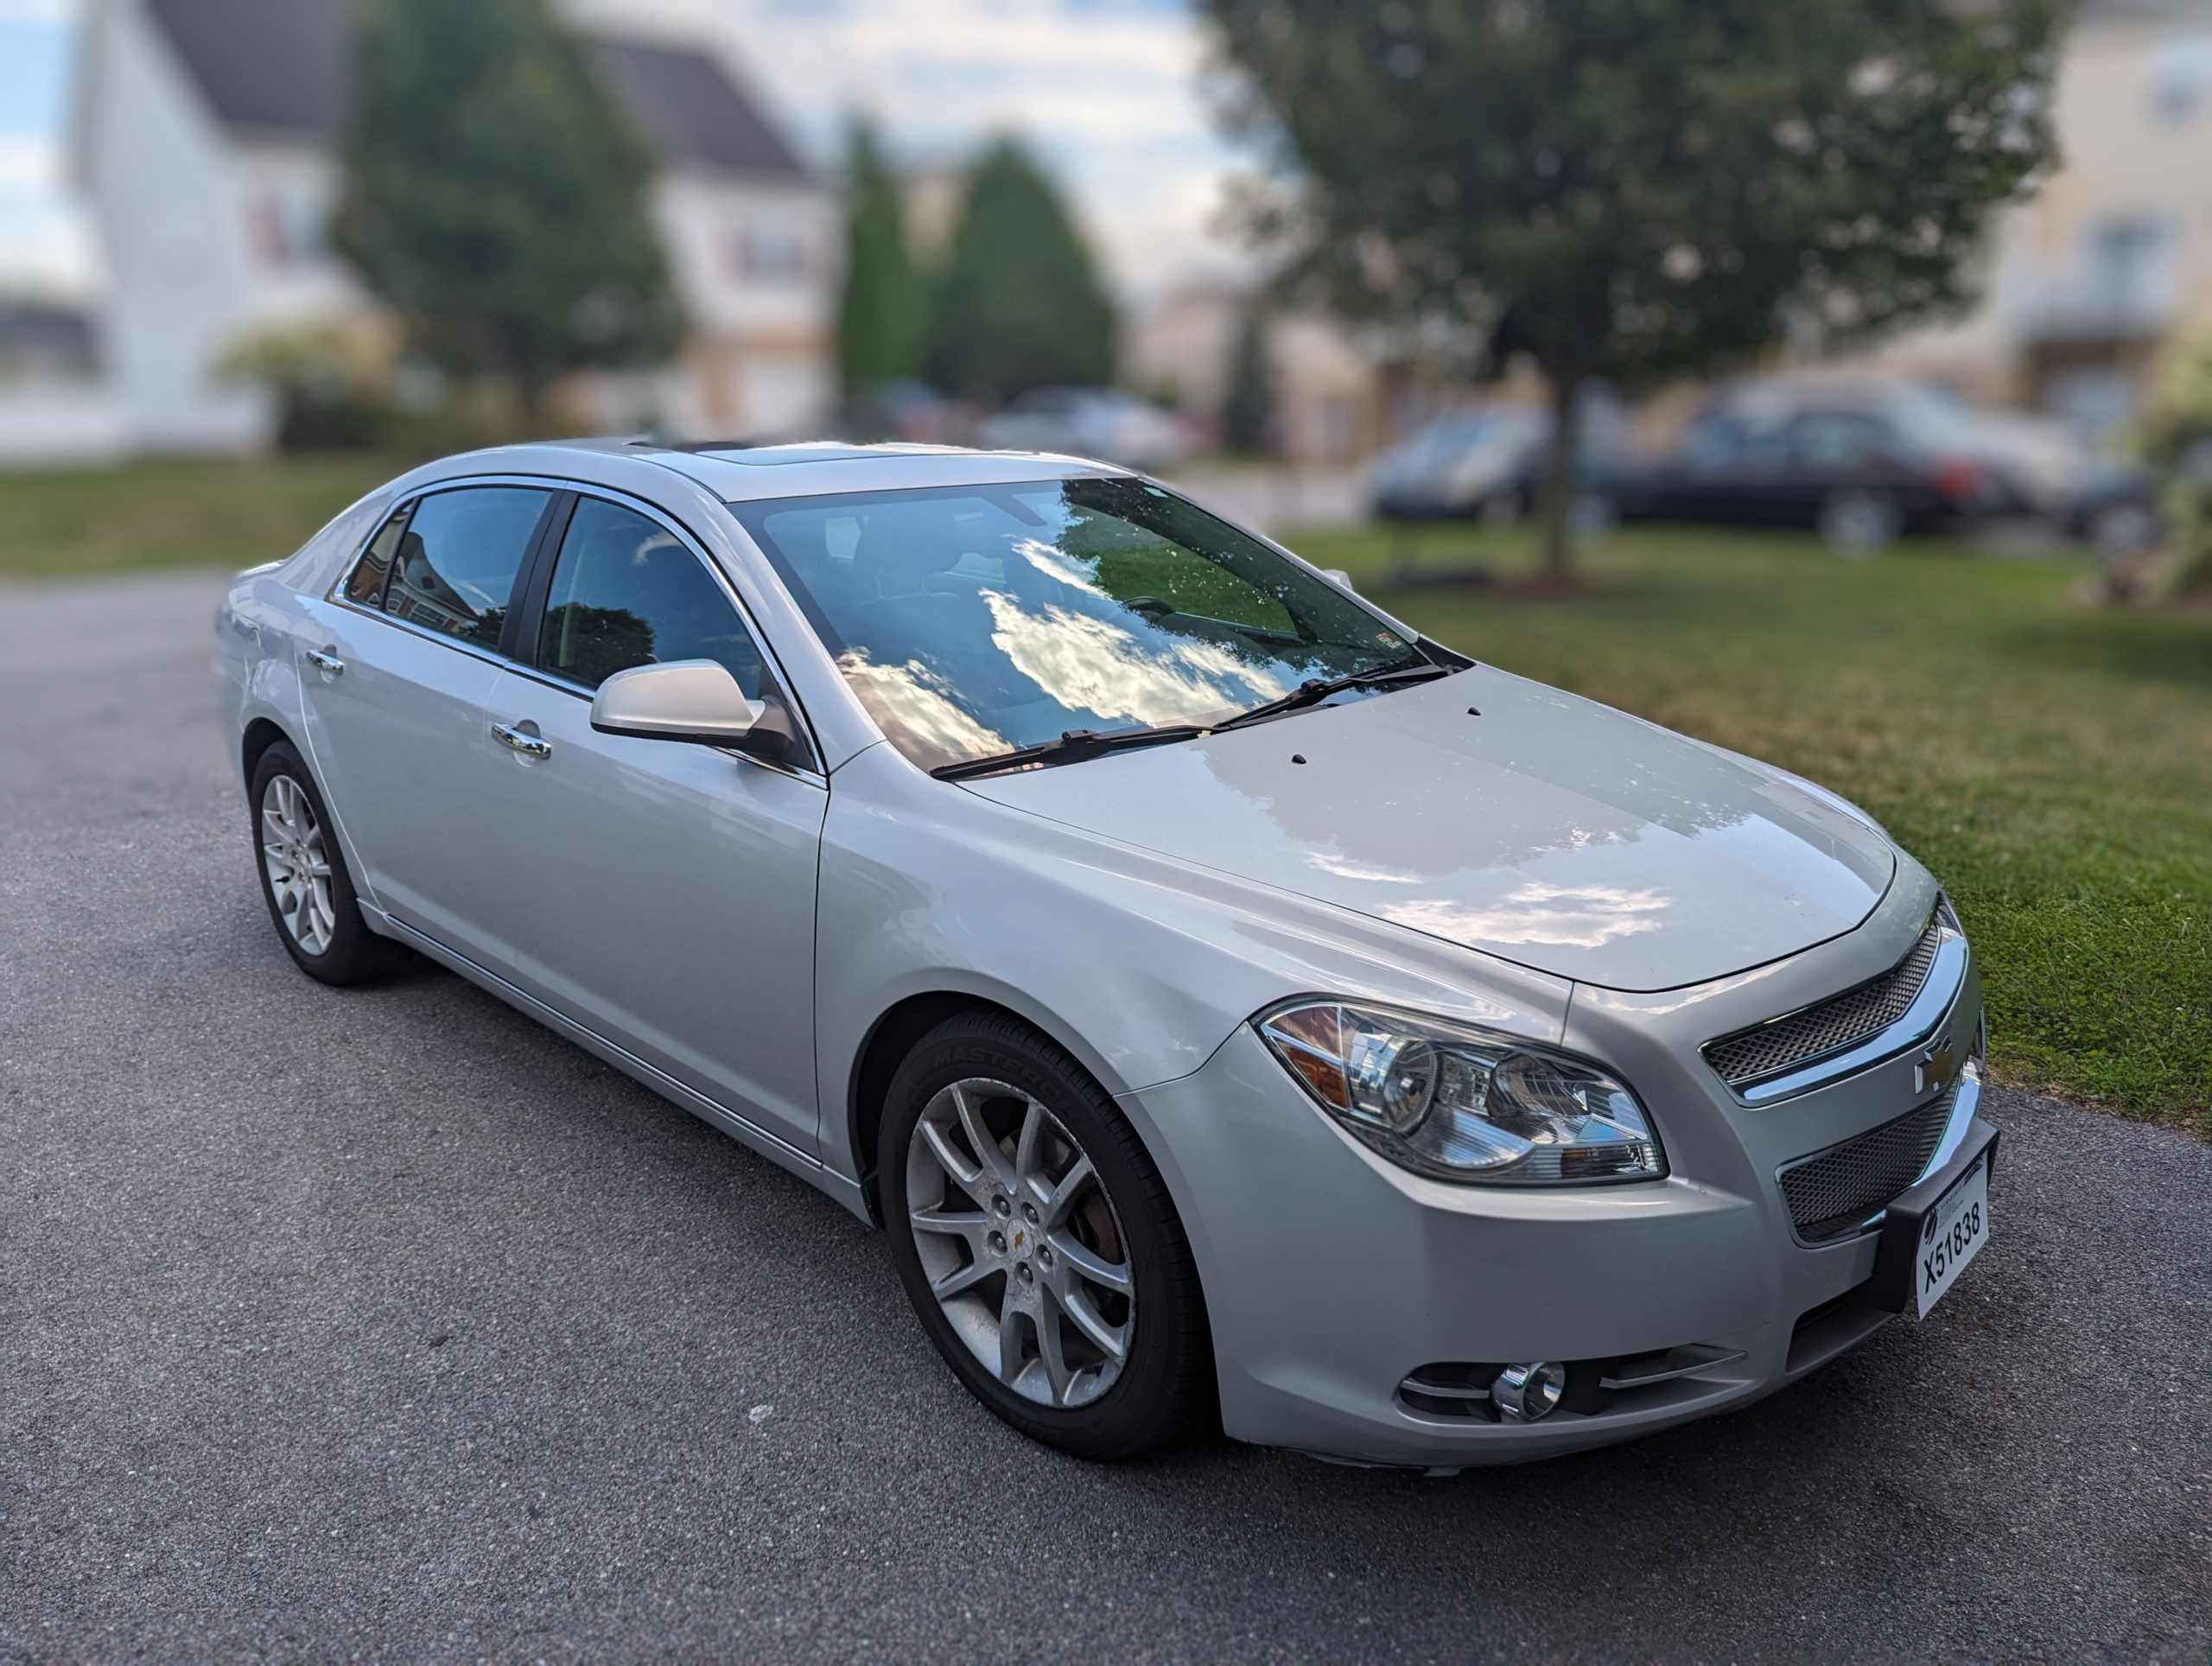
{"type": "Point", "coordinates": [2051, 765]}
{"type": "Point", "coordinates": [159, 514]}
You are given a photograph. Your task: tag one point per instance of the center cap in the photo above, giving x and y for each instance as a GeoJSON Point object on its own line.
{"type": "Point", "coordinates": [1017, 1241]}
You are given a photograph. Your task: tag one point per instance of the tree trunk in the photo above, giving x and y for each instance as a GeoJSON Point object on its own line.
{"type": "Point", "coordinates": [1556, 497]}
{"type": "Point", "coordinates": [530, 400]}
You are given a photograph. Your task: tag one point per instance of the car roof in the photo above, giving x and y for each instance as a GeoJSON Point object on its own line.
{"type": "Point", "coordinates": [737, 471]}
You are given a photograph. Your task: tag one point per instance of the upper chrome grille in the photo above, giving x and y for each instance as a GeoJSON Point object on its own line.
{"type": "Point", "coordinates": [1830, 1027]}
{"type": "Point", "coordinates": [1834, 1192]}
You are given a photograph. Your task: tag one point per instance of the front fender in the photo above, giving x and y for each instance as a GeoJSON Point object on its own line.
{"type": "Point", "coordinates": [1140, 966]}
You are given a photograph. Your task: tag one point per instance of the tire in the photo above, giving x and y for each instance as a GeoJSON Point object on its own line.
{"type": "Point", "coordinates": [292, 837]}
{"type": "Point", "coordinates": [972, 1299]}
{"type": "Point", "coordinates": [1857, 524]}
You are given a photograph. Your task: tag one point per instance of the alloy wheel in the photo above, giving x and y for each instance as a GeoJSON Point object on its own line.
{"type": "Point", "coordinates": [1022, 1245]}
{"type": "Point", "coordinates": [298, 864]}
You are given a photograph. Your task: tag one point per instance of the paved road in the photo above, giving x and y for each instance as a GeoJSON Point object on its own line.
{"type": "Point", "coordinates": [387, 1323]}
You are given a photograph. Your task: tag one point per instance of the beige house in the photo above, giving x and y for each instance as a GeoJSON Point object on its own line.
{"type": "Point", "coordinates": [2114, 255]}
{"type": "Point", "coordinates": [1339, 395]}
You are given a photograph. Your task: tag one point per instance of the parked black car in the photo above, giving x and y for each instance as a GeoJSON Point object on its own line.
{"type": "Point", "coordinates": [1859, 465]}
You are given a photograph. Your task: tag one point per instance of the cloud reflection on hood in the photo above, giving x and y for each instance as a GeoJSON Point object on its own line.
{"type": "Point", "coordinates": [1580, 916]}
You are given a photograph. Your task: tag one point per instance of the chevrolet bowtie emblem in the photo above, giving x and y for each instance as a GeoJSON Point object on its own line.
{"type": "Point", "coordinates": [1938, 1067]}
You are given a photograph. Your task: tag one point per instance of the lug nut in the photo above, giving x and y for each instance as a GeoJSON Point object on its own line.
{"type": "Point", "coordinates": [1025, 1275]}
{"type": "Point", "coordinates": [1029, 1213]}
{"type": "Point", "coordinates": [1003, 1204]}
{"type": "Point", "coordinates": [997, 1241]}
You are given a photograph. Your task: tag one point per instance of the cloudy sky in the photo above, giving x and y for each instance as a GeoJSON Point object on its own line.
{"type": "Point", "coordinates": [1110, 90]}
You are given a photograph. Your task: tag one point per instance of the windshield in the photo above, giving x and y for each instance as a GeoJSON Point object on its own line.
{"type": "Point", "coordinates": [971, 621]}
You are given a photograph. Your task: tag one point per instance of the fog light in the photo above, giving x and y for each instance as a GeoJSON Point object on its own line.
{"type": "Point", "coordinates": [1524, 1393]}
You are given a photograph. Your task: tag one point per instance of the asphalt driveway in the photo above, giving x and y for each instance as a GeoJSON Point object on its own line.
{"type": "Point", "coordinates": [387, 1323]}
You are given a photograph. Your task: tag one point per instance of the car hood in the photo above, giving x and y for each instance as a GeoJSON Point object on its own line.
{"type": "Point", "coordinates": [1548, 831]}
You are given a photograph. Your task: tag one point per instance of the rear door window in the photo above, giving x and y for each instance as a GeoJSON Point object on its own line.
{"type": "Point", "coordinates": [454, 570]}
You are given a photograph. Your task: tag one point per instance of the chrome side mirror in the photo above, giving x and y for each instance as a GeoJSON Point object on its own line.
{"type": "Point", "coordinates": [694, 700]}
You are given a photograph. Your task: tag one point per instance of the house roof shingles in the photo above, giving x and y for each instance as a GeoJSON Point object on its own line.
{"type": "Point", "coordinates": [278, 66]}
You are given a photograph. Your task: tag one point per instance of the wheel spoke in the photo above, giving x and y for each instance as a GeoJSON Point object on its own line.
{"type": "Point", "coordinates": [1112, 1340]}
{"type": "Point", "coordinates": [1078, 1257]}
{"type": "Point", "coordinates": [959, 1279]}
{"type": "Point", "coordinates": [986, 1149]}
{"type": "Point", "coordinates": [953, 1226]}
{"type": "Point", "coordinates": [1028, 1179]}
{"type": "Point", "coordinates": [1011, 1363]}
{"type": "Point", "coordinates": [1062, 1197]}
{"type": "Point", "coordinates": [969, 1177]}
{"type": "Point", "coordinates": [1051, 1350]}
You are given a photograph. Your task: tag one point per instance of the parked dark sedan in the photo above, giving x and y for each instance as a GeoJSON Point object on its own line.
{"type": "Point", "coordinates": [1858, 465]}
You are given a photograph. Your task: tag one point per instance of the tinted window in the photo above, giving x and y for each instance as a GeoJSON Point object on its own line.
{"type": "Point", "coordinates": [365, 585]}
{"type": "Point", "coordinates": [626, 592]}
{"type": "Point", "coordinates": [973, 619]}
{"type": "Point", "coordinates": [1834, 441]}
{"type": "Point", "coordinates": [456, 562]}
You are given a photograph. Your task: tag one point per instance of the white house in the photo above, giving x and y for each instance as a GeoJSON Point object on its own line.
{"type": "Point", "coordinates": [203, 149]}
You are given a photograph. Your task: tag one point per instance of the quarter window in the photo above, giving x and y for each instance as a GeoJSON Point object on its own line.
{"type": "Point", "coordinates": [365, 584]}
{"type": "Point", "coordinates": [454, 568]}
{"type": "Point", "coordinates": [627, 592]}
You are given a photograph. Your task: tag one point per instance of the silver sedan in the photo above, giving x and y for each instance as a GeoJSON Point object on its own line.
{"type": "Point", "coordinates": [1232, 1003]}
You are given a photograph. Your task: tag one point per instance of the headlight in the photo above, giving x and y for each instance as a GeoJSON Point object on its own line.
{"type": "Point", "coordinates": [1461, 1104]}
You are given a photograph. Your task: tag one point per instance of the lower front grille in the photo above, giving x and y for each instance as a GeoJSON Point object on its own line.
{"type": "Point", "coordinates": [1832, 1194]}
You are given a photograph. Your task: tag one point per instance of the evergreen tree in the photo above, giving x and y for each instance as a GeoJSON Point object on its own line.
{"type": "Point", "coordinates": [494, 196]}
{"type": "Point", "coordinates": [1019, 303]}
{"type": "Point", "coordinates": [879, 313]}
{"type": "Point", "coordinates": [1248, 407]}
{"type": "Point", "coordinates": [1634, 189]}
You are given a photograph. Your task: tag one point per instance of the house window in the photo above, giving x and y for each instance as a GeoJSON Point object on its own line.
{"type": "Point", "coordinates": [2181, 80]}
{"type": "Point", "coordinates": [771, 253]}
{"type": "Point", "coordinates": [287, 228]}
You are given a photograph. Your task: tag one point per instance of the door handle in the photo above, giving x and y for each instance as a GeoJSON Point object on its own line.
{"type": "Point", "coordinates": [328, 663]}
{"type": "Point", "coordinates": [529, 745]}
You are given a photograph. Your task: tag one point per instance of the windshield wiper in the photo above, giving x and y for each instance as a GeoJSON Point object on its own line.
{"type": "Point", "coordinates": [1420, 669]}
{"type": "Point", "coordinates": [1072, 747]}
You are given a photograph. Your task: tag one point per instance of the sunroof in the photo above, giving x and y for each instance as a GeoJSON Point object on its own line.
{"type": "Point", "coordinates": [739, 451]}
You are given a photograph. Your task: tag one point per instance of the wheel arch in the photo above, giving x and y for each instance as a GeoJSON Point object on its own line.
{"type": "Point", "coordinates": [894, 1034]}
{"type": "Point", "coordinates": [261, 734]}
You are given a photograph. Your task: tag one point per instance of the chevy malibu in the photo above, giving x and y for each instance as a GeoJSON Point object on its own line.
{"type": "Point", "coordinates": [1232, 1004]}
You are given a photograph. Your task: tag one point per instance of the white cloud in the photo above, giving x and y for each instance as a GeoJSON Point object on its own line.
{"type": "Point", "coordinates": [29, 167]}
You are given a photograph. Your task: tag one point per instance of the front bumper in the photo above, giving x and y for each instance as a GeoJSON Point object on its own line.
{"type": "Point", "coordinates": [1341, 1288]}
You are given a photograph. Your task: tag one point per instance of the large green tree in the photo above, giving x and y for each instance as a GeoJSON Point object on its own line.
{"type": "Point", "coordinates": [879, 314]}
{"type": "Point", "coordinates": [494, 196]}
{"type": "Point", "coordinates": [1636, 189]}
{"type": "Point", "coordinates": [1019, 303]}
